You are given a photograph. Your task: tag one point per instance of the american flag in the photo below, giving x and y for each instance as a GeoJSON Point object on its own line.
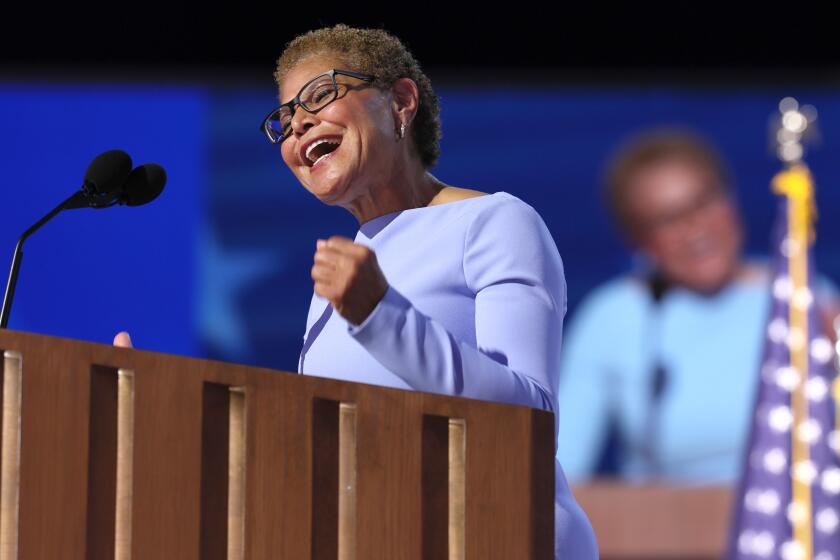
{"type": "Point", "coordinates": [788, 504]}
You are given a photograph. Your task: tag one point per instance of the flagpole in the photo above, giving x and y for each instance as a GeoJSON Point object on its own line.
{"type": "Point", "coordinates": [788, 505]}
{"type": "Point", "coordinates": [796, 185]}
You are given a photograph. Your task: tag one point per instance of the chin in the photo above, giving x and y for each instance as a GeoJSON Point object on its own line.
{"type": "Point", "coordinates": [708, 282]}
{"type": "Point", "coordinates": [331, 196]}
{"type": "Point", "coordinates": [329, 186]}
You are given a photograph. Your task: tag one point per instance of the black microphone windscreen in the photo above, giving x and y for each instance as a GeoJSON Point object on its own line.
{"type": "Point", "coordinates": [144, 184]}
{"type": "Point", "coordinates": [108, 171]}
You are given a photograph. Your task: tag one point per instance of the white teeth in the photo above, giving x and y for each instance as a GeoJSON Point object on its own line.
{"type": "Point", "coordinates": [318, 143]}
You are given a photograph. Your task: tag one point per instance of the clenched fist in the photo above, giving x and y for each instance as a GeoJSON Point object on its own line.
{"type": "Point", "coordinates": [348, 275]}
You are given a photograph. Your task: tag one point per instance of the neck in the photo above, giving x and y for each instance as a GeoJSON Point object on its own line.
{"type": "Point", "coordinates": [408, 186]}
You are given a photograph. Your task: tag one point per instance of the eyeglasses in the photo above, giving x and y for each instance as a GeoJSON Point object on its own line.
{"type": "Point", "coordinates": [711, 197]}
{"type": "Point", "coordinates": [316, 94]}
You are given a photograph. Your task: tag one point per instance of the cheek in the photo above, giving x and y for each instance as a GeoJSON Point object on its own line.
{"type": "Point", "coordinates": [727, 223]}
{"type": "Point", "coordinates": [376, 120]}
{"type": "Point", "coordinates": [666, 241]}
{"type": "Point", "coordinates": [287, 153]}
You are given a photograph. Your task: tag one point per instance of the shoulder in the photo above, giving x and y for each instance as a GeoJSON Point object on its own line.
{"type": "Point", "coordinates": [487, 202]}
{"type": "Point", "coordinates": [502, 211]}
{"type": "Point", "coordinates": [505, 237]}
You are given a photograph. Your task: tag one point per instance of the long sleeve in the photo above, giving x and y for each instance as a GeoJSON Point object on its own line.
{"type": "Point", "coordinates": [512, 267]}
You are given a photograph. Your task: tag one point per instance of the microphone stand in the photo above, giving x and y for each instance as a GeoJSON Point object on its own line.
{"type": "Point", "coordinates": [134, 188]}
{"type": "Point", "coordinates": [659, 382]}
{"type": "Point", "coordinates": [13, 274]}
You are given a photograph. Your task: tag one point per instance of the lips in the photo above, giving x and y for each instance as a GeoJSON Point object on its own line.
{"type": "Point", "coordinates": [318, 149]}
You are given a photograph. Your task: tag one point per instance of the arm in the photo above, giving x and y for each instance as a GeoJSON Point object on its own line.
{"type": "Point", "coordinates": [512, 266]}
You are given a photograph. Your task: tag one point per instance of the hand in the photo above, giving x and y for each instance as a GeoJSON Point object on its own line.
{"type": "Point", "coordinates": [348, 275]}
{"type": "Point", "coordinates": [123, 340]}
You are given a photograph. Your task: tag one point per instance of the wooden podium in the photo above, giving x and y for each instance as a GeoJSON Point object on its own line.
{"type": "Point", "coordinates": [117, 453]}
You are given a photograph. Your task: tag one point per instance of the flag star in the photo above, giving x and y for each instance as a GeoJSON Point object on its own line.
{"type": "Point", "coordinates": [759, 544]}
{"type": "Point", "coordinates": [821, 350]}
{"type": "Point", "coordinates": [769, 502]}
{"type": "Point", "coordinates": [827, 521]}
{"type": "Point", "coordinates": [763, 544]}
{"type": "Point", "coordinates": [780, 418]}
{"type": "Point", "coordinates": [226, 273]}
{"type": "Point", "coordinates": [797, 513]}
{"type": "Point", "coordinates": [788, 378]}
{"type": "Point", "coordinates": [816, 388]}
{"type": "Point", "coordinates": [796, 338]}
{"type": "Point", "coordinates": [775, 460]}
{"type": "Point", "coordinates": [809, 431]}
{"type": "Point", "coordinates": [777, 330]}
{"type": "Point", "coordinates": [834, 441]}
{"type": "Point", "coordinates": [792, 550]}
{"type": "Point", "coordinates": [831, 481]}
{"type": "Point", "coordinates": [802, 298]}
{"type": "Point", "coordinates": [745, 541]}
{"type": "Point", "coordinates": [789, 247]}
{"type": "Point", "coordinates": [782, 287]}
{"type": "Point", "coordinates": [805, 472]}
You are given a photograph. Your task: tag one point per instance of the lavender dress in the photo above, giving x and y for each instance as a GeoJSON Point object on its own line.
{"type": "Point", "coordinates": [475, 309]}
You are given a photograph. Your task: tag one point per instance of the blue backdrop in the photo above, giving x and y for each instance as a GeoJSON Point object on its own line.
{"type": "Point", "coordinates": [219, 265]}
{"type": "Point", "coordinates": [89, 273]}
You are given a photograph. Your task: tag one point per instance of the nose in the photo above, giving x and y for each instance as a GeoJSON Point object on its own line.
{"type": "Point", "coordinates": [302, 121]}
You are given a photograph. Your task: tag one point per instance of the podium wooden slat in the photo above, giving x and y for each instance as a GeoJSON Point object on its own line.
{"type": "Point", "coordinates": [389, 474]}
{"type": "Point", "coordinates": [167, 457]}
{"type": "Point", "coordinates": [55, 411]}
{"type": "Point", "coordinates": [499, 489]}
{"type": "Point", "coordinates": [10, 452]}
{"type": "Point", "coordinates": [278, 482]}
{"type": "Point", "coordinates": [163, 463]}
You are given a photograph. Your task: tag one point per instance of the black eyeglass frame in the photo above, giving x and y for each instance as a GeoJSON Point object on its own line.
{"type": "Point", "coordinates": [270, 132]}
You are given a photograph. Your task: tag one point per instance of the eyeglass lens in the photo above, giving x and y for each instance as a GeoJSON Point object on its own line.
{"type": "Point", "coordinates": [313, 96]}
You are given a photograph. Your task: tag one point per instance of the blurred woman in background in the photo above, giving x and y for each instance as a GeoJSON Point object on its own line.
{"type": "Point", "coordinates": [667, 357]}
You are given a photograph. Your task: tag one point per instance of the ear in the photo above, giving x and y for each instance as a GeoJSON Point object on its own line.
{"type": "Point", "coordinates": [405, 98]}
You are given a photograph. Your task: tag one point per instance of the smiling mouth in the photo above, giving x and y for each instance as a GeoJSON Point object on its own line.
{"type": "Point", "coordinates": [320, 150]}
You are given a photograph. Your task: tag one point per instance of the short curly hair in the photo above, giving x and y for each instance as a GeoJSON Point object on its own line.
{"type": "Point", "coordinates": [378, 53]}
{"type": "Point", "coordinates": [650, 148]}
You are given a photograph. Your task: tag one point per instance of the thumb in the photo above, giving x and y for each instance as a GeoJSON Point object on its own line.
{"type": "Point", "coordinates": [123, 340]}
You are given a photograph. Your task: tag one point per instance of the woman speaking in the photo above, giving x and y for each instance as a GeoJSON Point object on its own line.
{"type": "Point", "coordinates": [444, 289]}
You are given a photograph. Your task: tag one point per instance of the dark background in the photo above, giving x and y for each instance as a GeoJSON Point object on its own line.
{"type": "Point", "coordinates": [677, 41]}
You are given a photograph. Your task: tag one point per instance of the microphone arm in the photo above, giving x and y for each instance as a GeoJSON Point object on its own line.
{"type": "Point", "coordinates": [109, 181]}
{"type": "Point", "coordinates": [18, 255]}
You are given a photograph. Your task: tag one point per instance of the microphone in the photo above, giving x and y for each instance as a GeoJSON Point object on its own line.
{"type": "Point", "coordinates": [659, 287]}
{"type": "Point", "coordinates": [144, 184]}
{"type": "Point", "coordinates": [109, 180]}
